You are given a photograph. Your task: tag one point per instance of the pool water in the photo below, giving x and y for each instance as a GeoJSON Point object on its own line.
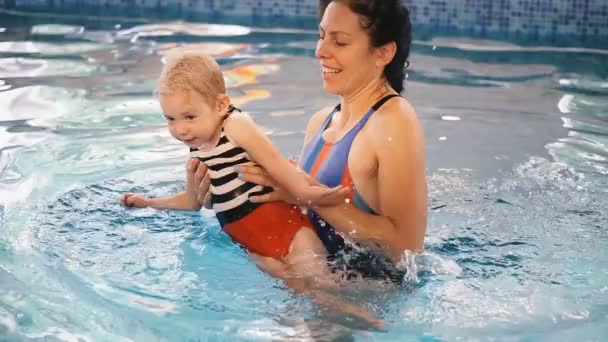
{"type": "Point", "coordinates": [517, 147]}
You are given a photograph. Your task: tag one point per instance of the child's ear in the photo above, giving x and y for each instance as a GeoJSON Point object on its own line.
{"type": "Point", "coordinates": [222, 103]}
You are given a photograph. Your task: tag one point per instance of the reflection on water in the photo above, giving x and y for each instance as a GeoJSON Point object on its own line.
{"type": "Point", "coordinates": [517, 144]}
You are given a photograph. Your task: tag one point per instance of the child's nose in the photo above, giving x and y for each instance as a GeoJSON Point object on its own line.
{"type": "Point", "coordinates": [181, 129]}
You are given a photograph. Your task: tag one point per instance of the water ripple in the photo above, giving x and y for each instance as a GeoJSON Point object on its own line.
{"type": "Point", "coordinates": [49, 49]}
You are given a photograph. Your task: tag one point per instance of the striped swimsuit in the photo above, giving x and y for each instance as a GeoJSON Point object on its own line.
{"type": "Point", "coordinates": [230, 194]}
{"type": "Point", "coordinates": [266, 229]}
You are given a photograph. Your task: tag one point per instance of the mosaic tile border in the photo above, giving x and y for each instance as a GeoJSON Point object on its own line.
{"type": "Point", "coordinates": [584, 20]}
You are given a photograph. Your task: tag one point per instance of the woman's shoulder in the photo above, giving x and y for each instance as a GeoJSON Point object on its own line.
{"type": "Point", "coordinates": [396, 107]}
{"type": "Point", "coordinates": [397, 111]}
{"type": "Point", "coordinates": [396, 118]}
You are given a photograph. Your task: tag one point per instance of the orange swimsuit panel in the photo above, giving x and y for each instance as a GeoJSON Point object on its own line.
{"type": "Point", "coordinates": [269, 229]}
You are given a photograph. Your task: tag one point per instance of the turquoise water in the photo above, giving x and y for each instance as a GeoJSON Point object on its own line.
{"type": "Point", "coordinates": [517, 144]}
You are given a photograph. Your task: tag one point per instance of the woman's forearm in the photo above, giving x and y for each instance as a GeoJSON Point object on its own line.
{"type": "Point", "coordinates": [364, 227]}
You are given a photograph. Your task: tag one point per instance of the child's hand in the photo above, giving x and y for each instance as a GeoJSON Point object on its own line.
{"type": "Point", "coordinates": [313, 196]}
{"type": "Point", "coordinates": [134, 200]}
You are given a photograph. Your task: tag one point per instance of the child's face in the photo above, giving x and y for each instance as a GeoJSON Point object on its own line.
{"type": "Point", "coordinates": [191, 118]}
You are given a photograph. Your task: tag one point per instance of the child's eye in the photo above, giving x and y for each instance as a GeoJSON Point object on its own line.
{"type": "Point", "coordinates": [190, 117]}
{"type": "Point", "coordinates": [169, 119]}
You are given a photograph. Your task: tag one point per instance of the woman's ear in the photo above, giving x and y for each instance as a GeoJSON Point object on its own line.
{"type": "Point", "coordinates": [222, 103]}
{"type": "Point", "coordinates": [386, 53]}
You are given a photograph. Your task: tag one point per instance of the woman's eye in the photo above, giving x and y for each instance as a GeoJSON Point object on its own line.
{"type": "Point", "coordinates": [340, 44]}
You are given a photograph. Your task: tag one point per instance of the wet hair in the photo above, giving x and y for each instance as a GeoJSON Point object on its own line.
{"type": "Point", "coordinates": [385, 21]}
{"type": "Point", "coordinates": [191, 70]}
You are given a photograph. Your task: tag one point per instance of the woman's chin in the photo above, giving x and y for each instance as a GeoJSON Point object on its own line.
{"type": "Point", "coordinates": [331, 89]}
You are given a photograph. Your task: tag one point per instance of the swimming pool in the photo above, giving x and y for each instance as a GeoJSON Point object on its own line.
{"type": "Point", "coordinates": [517, 145]}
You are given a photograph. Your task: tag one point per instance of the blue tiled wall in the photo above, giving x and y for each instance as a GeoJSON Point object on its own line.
{"type": "Point", "coordinates": [584, 19]}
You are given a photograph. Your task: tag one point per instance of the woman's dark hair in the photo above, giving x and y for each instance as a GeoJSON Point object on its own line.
{"type": "Point", "coordinates": [386, 21]}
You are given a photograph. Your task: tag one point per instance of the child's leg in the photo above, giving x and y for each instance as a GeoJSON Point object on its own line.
{"type": "Point", "coordinates": [307, 259]}
{"type": "Point", "coordinates": [295, 277]}
{"type": "Point", "coordinates": [306, 271]}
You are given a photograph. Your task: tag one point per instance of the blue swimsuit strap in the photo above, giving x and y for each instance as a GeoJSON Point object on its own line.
{"type": "Point", "coordinates": [331, 172]}
{"type": "Point", "coordinates": [358, 200]}
{"type": "Point", "coordinates": [350, 135]}
{"type": "Point", "coordinates": [353, 131]}
{"type": "Point", "coordinates": [332, 169]}
{"type": "Point", "coordinates": [314, 146]}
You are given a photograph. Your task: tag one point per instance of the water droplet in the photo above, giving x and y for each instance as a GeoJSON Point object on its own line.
{"type": "Point", "coordinates": [443, 138]}
{"type": "Point", "coordinates": [347, 200]}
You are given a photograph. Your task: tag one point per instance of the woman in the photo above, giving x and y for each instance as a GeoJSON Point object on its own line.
{"type": "Point", "coordinates": [371, 141]}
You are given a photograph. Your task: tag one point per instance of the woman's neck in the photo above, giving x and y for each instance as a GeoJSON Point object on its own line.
{"type": "Point", "coordinates": [355, 105]}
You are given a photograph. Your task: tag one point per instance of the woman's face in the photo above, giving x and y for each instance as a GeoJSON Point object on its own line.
{"type": "Point", "coordinates": [347, 59]}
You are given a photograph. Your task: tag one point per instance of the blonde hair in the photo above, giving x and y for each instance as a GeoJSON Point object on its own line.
{"type": "Point", "coordinates": [191, 70]}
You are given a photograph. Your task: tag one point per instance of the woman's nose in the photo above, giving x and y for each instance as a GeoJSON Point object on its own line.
{"type": "Point", "coordinates": [321, 50]}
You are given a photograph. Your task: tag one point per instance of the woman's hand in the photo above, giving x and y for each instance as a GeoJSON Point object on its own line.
{"type": "Point", "coordinates": [197, 182]}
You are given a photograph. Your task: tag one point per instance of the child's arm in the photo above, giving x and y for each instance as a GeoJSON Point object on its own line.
{"type": "Point", "coordinates": [180, 201]}
{"type": "Point", "coordinates": [245, 133]}
{"type": "Point", "coordinates": [187, 200]}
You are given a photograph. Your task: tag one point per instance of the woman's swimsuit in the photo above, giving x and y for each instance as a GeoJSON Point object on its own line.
{"type": "Point", "coordinates": [262, 228]}
{"type": "Point", "coordinates": [328, 163]}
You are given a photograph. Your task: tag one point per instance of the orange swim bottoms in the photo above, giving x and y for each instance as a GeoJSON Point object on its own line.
{"type": "Point", "coordinates": [269, 229]}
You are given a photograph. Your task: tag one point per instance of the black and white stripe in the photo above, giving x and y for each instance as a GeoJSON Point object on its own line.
{"type": "Point", "coordinates": [230, 194]}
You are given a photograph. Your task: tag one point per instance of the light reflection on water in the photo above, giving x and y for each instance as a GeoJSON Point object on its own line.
{"type": "Point", "coordinates": [517, 184]}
